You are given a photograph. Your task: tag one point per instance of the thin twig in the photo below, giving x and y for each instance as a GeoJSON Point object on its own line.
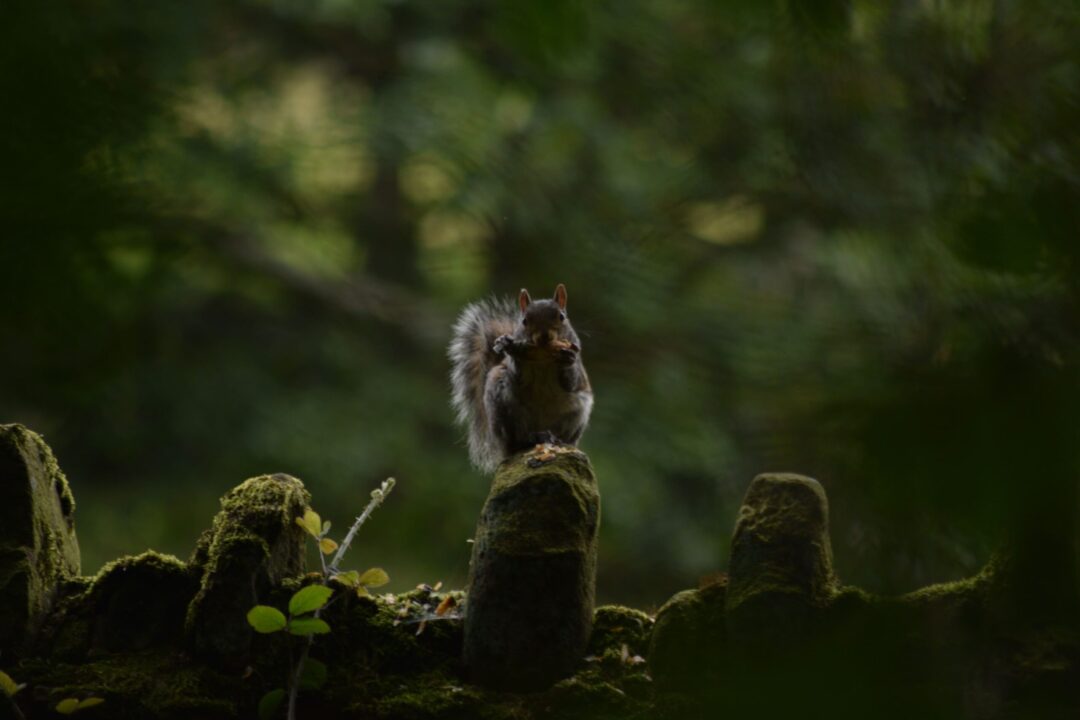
{"type": "Point", "coordinates": [377, 497]}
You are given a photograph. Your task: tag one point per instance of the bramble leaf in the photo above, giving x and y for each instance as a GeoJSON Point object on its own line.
{"type": "Point", "coordinates": [311, 522]}
{"type": "Point", "coordinates": [349, 578]}
{"type": "Point", "coordinates": [313, 676]}
{"type": "Point", "coordinates": [308, 599]}
{"type": "Point", "coordinates": [327, 546]}
{"type": "Point", "coordinates": [374, 577]}
{"type": "Point", "coordinates": [7, 685]}
{"type": "Point", "coordinates": [67, 706]}
{"type": "Point", "coordinates": [270, 704]}
{"type": "Point", "coordinates": [266, 619]}
{"type": "Point", "coordinates": [325, 527]}
{"type": "Point", "coordinates": [308, 626]}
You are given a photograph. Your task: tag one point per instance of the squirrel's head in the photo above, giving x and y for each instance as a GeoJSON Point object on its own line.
{"type": "Point", "coordinates": [543, 321]}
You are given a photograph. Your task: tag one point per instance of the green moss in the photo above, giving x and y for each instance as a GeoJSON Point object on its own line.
{"type": "Point", "coordinates": [617, 625]}
{"type": "Point", "coordinates": [133, 603]}
{"type": "Point", "coordinates": [38, 546]}
{"type": "Point", "coordinates": [689, 638]}
{"type": "Point", "coordinates": [423, 697]}
{"type": "Point", "coordinates": [565, 521]}
{"type": "Point", "coordinates": [533, 573]}
{"type": "Point", "coordinates": [253, 545]}
{"type": "Point", "coordinates": [781, 543]}
{"type": "Point", "coordinates": [145, 685]}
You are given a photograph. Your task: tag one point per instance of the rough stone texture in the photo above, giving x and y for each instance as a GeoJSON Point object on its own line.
{"type": "Point", "coordinates": [253, 545]}
{"type": "Point", "coordinates": [38, 547]}
{"type": "Point", "coordinates": [532, 581]}
{"type": "Point", "coordinates": [781, 559]}
{"type": "Point", "coordinates": [689, 638]}
{"type": "Point", "coordinates": [133, 604]}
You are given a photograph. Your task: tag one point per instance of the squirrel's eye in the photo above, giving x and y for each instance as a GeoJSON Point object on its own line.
{"type": "Point", "coordinates": [524, 321]}
{"type": "Point", "coordinates": [562, 315]}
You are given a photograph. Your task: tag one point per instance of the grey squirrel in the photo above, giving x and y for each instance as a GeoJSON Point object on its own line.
{"type": "Point", "coordinates": [517, 376]}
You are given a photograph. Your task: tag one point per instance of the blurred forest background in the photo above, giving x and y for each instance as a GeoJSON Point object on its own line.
{"type": "Point", "coordinates": [838, 238]}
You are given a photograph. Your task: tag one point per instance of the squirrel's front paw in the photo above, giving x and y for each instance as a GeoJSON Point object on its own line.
{"type": "Point", "coordinates": [502, 344]}
{"type": "Point", "coordinates": [567, 355]}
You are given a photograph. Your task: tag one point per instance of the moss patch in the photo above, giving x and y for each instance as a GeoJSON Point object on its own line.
{"type": "Point", "coordinates": [532, 581]}
{"type": "Point", "coordinates": [38, 546]}
{"type": "Point", "coordinates": [133, 604]}
{"type": "Point", "coordinates": [253, 545]}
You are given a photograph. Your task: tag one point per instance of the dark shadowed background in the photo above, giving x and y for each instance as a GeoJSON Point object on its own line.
{"type": "Point", "coordinates": [838, 238]}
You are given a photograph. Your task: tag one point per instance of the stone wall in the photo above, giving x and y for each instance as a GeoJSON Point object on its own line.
{"type": "Point", "coordinates": [778, 636]}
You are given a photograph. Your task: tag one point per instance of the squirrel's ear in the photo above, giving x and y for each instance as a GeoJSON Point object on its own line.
{"type": "Point", "coordinates": [524, 299]}
{"type": "Point", "coordinates": [560, 295]}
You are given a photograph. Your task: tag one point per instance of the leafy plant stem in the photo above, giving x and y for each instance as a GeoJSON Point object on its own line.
{"type": "Point", "coordinates": [377, 497]}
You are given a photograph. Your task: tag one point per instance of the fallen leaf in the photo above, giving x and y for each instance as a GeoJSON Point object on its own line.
{"type": "Point", "coordinates": [447, 603]}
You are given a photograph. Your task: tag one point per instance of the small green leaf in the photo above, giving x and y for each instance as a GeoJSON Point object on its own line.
{"type": "Point", "coordinates": [89, 702]}
{"type": "Point", "coordinates": [68, 706]}
{"type": "Point", "coordinates": [308, 626]}
{"type": "Point", "coordinates": [7, 685]}
{"type": "Point", "coordinates": [308, 599]}
{"type": "Point", "coordinates": [314, 675]}
{"type": "Point", "coordinates": [325, 527]}
{"type": "Point", "coordinates": [311, 522]}
{"type": "Point", "coordinates": [327, 546]}
{"type": "Point", "coordinates": [375, 577]}
{"type": "Point", "coordinates": [270, 704]}
{"type": "Point", "coordinates": [349, 578]}
{"type": "Point", "coordinates": [266, 619]}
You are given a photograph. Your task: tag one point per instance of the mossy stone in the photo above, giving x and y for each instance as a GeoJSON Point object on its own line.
{"type": "Point", "coordinates": [618, 625]}
{"type": "Point", "coordinates": [38, 547]}
{"type": "Point", "coordinates": [253, 544]}
{"type": "Point", "coordinates": [532, 581]}
{"type": "Point", "coordinates": [133, 604]}
{"type": "Point", "coordinates": [688, 639]}
{"type": "Point", "coordinates": [781, 572]}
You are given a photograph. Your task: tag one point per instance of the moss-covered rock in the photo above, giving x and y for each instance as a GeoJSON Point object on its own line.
{"type": "Point", "coordinates": [689, 638]}
{"type": "Point", "coordinates": [533, 575]}
{"type": "Point", "coordinates": [133, 604]}
{"type": "Point", "coordinates": [152, 685]}
{"type": "Point", "coordinates": [617, 625]}
{"type": "Point", "coordinates": [253, 545]}
{"type": "Point", "coordinates": [38, 547]}
{"type": "Point", "coordinates": [780, 570]}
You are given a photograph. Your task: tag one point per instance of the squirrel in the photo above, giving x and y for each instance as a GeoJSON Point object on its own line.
{"type": "Point", "coordinates": [517, 377]}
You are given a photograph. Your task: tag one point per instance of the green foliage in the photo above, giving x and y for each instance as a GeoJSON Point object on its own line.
{"type": "Point", "coordinates": [313, 675]}
{"type": "Point", "coordinates": [833, 237]}
{"type": "Point", "coordinates": [68, 706]}
{"type": "Point", "coordinates": [270, 704]}
{"type": "Point", "coordinates": [309, 599]}
{"type": "Point", "coordinates": [266, 619]}
{"type": "Point", "coordinates": [307, 602]}
{"type": "Point", "coordinates": [8, 686]}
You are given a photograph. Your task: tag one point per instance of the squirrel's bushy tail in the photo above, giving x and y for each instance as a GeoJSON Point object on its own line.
{"type": "Point", "coordinates": [471, 358]}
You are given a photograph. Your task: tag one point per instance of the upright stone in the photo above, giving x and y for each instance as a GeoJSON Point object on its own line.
{"type": "Point", "coordinates": [532, 582]}
{"type": "Point", "coordinates": [253, 545]}
{"type": "Point", "coordinates": [38, 547]}
{"type": "Point", "coordinates": [781, 573]}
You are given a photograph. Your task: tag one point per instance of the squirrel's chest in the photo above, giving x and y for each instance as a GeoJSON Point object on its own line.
{"type": "Point", "coordinates": [542, 396]}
